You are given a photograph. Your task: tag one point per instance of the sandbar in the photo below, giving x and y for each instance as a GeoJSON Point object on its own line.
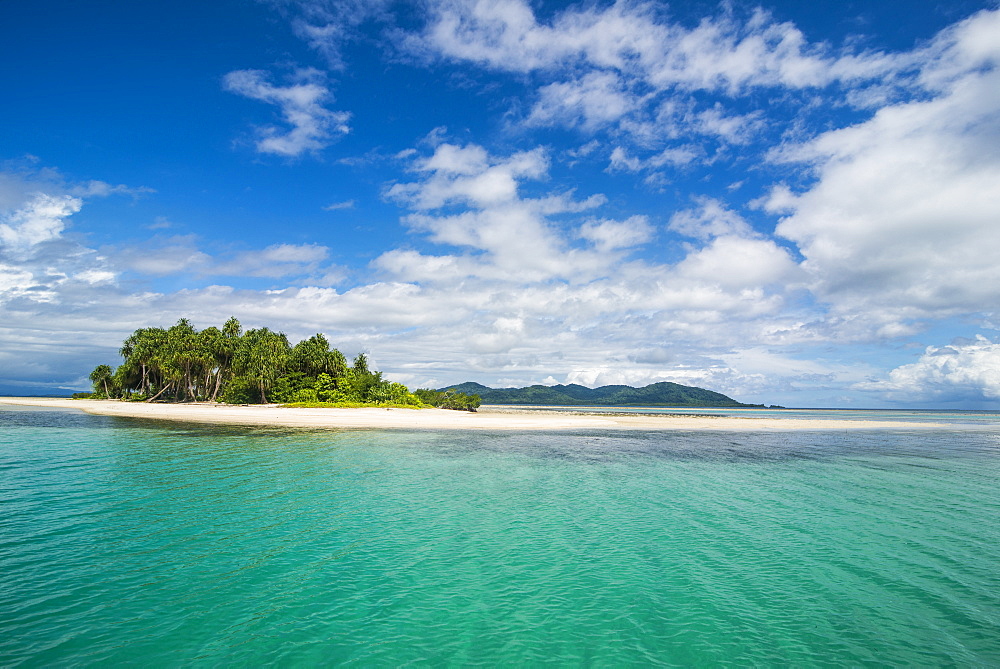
{"type": "Point", "coordinates": [487, 418]}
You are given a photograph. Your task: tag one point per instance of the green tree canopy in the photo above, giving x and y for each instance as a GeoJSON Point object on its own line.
{"type": "Point", "coordinates": [182, 363]}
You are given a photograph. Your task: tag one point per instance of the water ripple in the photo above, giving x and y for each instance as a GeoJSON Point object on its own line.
{"type": "Point", "coordinates": [130, 542]}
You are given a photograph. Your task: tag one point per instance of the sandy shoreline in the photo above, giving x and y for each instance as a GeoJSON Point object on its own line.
{"type": "Point", "coordinates": [439, 419]}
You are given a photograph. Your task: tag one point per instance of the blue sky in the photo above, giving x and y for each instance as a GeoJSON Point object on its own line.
{"type": "Point", "coordinates": [791, 203]}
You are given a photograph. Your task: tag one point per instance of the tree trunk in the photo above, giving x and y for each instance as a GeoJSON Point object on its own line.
{"type": "Point", "coordinates": [218, 384]}
{"type": "Point", "coordinates": [160, 393]}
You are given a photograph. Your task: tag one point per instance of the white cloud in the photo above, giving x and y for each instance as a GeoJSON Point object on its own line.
{"type": "Point", "coordinates": [411, 266]}
{"type": "Point", "coordinates": [468, 175]}
{"type": "Point", "coordinates": [277, 260]}
{"type": "Point", "coordinates": [177, 255]}
{"type": "Point", "coordinates": [710, 219]}
{"type": "Point", "coordinates": [608, 235]}
{"type": "Point", "coordinates": [529, 282]}
{"type": "Point", "coordinates": [94, 188]}
{"type": "Point", "coordinates": [327, 25]}
{"type": "Point", "coordinates": [337, 206]}
{"type": "Point", "coordinates": [161, 256]}
{"type": "Point", "coordinates": [740, 264]}
{"type": "Point", "coordinates": [719, 53]}
{"type": "Point", "coordinates": [903, 220]}
{"type": "Point", "coordinates": [311, 125]}
{"type": "Point", "coordinates": [160, 223]}
{"type": "Point", "coordinates": [514, 233]}
{"type": "Point", "coordinates": [677, 156]}
{"type": "Point", "coordinates": [42, 218]}
{"type": "Point", "coordinates": [966, 370]}
{"type": "Point", "coordinates": [734, 128]}
{"type": "Point", "coordinates": [621, 160]}
{"type": "Point", "coordinates": [599, 66]}
{"type": "Point", "coordinates": [540, 303]}
{"type": "Point", "coordinates": [97, 276]}
{"type": "Point", "coordinates": [13, 280]}
{"type": "Point", "coordinates": [593, 101]}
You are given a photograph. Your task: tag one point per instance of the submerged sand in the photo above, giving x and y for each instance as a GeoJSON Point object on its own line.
{"type": "Point", "coordinates": [487, 418]}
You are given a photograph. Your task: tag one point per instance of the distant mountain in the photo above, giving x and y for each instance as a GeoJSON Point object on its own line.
{"type": "Point", "coordinates": [10, 390]}
{"type": "Point", "coordinates": [664, 394]}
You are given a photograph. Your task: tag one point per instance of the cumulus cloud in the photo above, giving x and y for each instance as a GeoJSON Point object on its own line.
{"type": "Point", "coordinates": [37, 203]}
{"type": "Point", "coordinates": [468, 175]}
{"type": "Point", "coordinates": [506, 232]}
{"type": "Point", "coordinates": [608, 235]}
{"type": "Point", "coordinates": [964, 370]}
{"type": "Point", "coordinates": [722, 52]}
{"type": "Point", "coordinates": [595, 100]}
{"type": "Point", "coordinates": [310, 125]}
{"type": "Point", "coordinates": [738, 263]}
{"type": "Point", "coordinates": [543, 303]}
{"type": "Point", "coordinates": [711, 218]}
{"type": "Point", "coordinates": [901, 223]}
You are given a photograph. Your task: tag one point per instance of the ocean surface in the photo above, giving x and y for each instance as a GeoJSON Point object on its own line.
{"type": "Point", "coordinates": [130, 542]}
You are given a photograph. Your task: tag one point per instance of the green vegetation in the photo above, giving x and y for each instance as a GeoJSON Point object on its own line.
{"type": "Point", "coordinates": [448, 399]}
{"type": "Point", "coordinates": [182, 364]}
{"type": "Point", "coordinates": [664, 394]}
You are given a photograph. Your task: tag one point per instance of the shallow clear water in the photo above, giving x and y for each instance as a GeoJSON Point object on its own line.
{"type": "Point", "coordinates": [132, 542]}
{"type": "Point", "coordinates": [957, 418]}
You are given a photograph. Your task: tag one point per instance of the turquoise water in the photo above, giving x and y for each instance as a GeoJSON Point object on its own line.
{"type": "Point", "coordinates": [131, 542]}
{"type": "Point", "coordinates": [957, 418]}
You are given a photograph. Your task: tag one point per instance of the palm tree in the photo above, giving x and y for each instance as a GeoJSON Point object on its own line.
{"type": "Point", "coordinates": [126, 379]}
{"type": "Point", "coordinates": [361, 380]}
{"type": "Point", "coordinates": [261, 358]}
{"type": "Point", "coordinates": [144, 350]}
{"type": "Point", "coordinates": [225, 349]}
{"type": "Point", "coordinates": [100, 377]}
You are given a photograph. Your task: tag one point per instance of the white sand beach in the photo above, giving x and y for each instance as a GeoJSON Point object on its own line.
{"type": "Point", "coordinates": [487, 418]}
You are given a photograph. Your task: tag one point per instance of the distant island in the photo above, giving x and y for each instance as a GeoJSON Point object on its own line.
{"type": "Point", "coordinates": [663, 394]}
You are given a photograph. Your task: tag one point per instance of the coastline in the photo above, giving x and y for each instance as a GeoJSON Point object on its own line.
{"type": "Point", "coordinates": [487, 418]}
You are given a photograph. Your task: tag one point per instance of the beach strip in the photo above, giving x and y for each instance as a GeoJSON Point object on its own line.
{"type": "Point", "coordinates": [440, 419]}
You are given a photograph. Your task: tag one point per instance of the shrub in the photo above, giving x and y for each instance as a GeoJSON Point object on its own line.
{"type": "Point", "coordinates": [241, 390]}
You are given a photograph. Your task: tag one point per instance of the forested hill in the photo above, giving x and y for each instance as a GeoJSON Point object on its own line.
{"type": "Point", "coordinates": [664, 394]}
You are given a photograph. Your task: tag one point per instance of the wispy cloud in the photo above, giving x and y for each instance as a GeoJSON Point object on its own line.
{"type": "Point", "coordinates": [664, 92]}
{"type": "Point", "coordinates": [327, 25]}
{"type": "Point", "coordinates": [310, 126]}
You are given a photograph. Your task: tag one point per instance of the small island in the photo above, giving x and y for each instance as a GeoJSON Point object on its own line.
{"type": "Point", "coordinates": [257, 377]}
{"type": "Point", "coordinates": [181, 364]}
